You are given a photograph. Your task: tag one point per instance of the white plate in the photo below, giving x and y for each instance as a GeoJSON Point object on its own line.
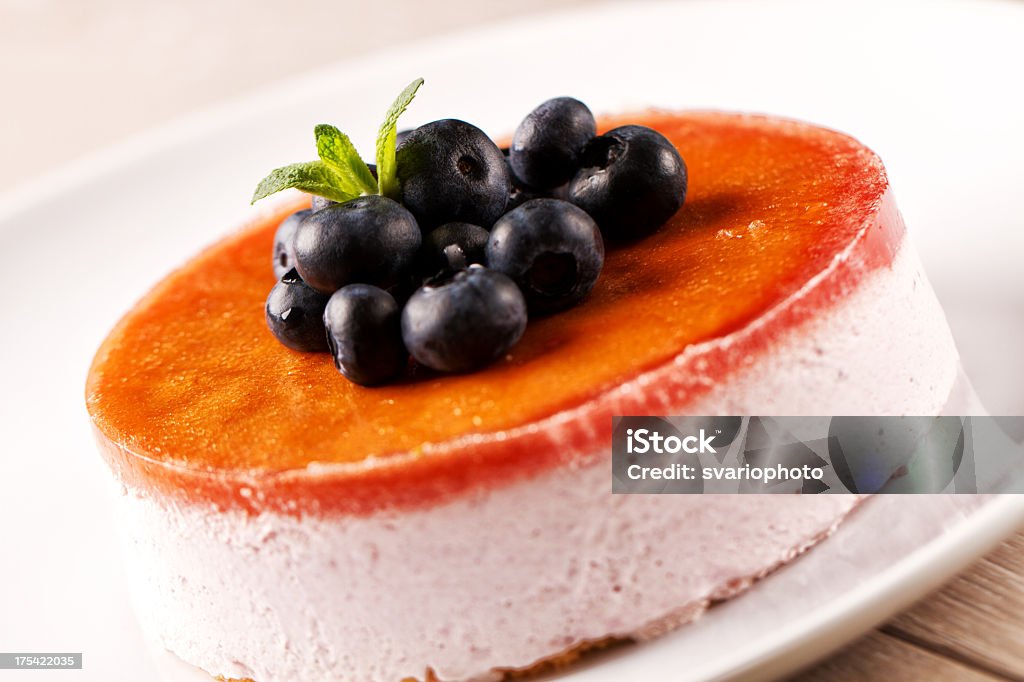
{"type": "Point", "coordinates": [930, 85]}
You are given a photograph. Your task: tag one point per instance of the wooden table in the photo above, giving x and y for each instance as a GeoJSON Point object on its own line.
{"type": "Point", "coordinates": [973, 629]}
{"type": "Point", "coordinates": [81, 75]}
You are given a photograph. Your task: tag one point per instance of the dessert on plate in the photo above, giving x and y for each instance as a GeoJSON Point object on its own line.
{"type": "Point", "coordinates": [434, 501]}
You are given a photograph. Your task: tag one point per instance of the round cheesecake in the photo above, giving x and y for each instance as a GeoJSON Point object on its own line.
{"type": "Point", "coordinates": [282, 523]}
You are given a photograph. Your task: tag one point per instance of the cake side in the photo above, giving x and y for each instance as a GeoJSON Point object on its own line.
{"type": "Point", "coordinates": [505, 577]}
{"type": "Point", "coordinates": [469, 589]}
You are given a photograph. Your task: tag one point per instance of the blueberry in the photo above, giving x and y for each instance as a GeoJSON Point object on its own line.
{"type": "Point", "coordinates": [466, 322]}
{"type": "Point", "coordinates": [521, 192]}
{"type": "Point", "coordinates": [551, 249]}
{"type": "Point", "coordinates": [451, 171]}
{"type": "Point", "coordinates": [364, 334]}
{"type": "Point", "coordinates": [453, 246]}
{"type": "Point", "coordinates": [547, 145]}
{"type": "Point", "coordinates": [370, 239]}
{"type": "Point", "coordinates": [295, 314]}
{"type": "Point", "coordinates": [631, 182]}
{"type": "Point", "coordinates": [284, 255]}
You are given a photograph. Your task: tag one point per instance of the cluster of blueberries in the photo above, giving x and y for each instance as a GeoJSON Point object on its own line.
{"type": "Point", "coordinates": [478, 238]}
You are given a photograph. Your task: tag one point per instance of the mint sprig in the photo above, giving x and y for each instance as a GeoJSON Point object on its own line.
{"type": "Point", "coordinates": [313, 177]}
{"type": "Point", "coordinates": [387, 176]}
{"type": "Point", "coordinates": [339, 154]}
{"type": "Point", "coordinates": [341, 174]}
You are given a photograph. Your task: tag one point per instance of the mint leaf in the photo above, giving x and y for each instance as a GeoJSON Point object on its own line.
{"type": "Point", "coordinates": [340, 174]}
{"type": "Point", "coordinates": [386, 173]}
{"type": "Point", "coordinates": [314, 177]}
{"type": "Point", "coordinates": [339, 154]}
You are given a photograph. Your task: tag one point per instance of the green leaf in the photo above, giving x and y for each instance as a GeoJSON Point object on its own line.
{"type": "Point", "coordinates": [314, 177]}
{"type": "Point", "coordinates": [337, 151]}
{"type": "Point", "coordinates": [386, 173]}
{"type": "Point", "coordinates": [340, 174]}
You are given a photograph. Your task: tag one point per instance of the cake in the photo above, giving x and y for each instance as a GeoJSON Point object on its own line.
{"type": "Point", "coordinates": [282, 523]}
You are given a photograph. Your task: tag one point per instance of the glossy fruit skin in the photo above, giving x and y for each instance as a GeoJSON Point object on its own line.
{"type": "Point", "coordinates": [551, 249]}
{"type": "Point", "coordinates": [466, 322]}
{"type": "Point", "coordinates": [371, 239]}
{"type": "Point", "coordinates": [450, 171]}
{"type": "Point", "coordinates": [453, 246]}
{"type": "Point", "coordinates": [632, 181]}
{"type": "Point", "coordinates": [548, 144]}
{"type": "Point", "coordinates": [295, 314]}
{"type": "Point", "coordinates": [364, 333]}
{"type": "Point", "coordinates": [284, 255]}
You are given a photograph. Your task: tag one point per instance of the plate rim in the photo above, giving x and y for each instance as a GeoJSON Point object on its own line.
{"type": "Point", "coordinates": [926, 569]}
